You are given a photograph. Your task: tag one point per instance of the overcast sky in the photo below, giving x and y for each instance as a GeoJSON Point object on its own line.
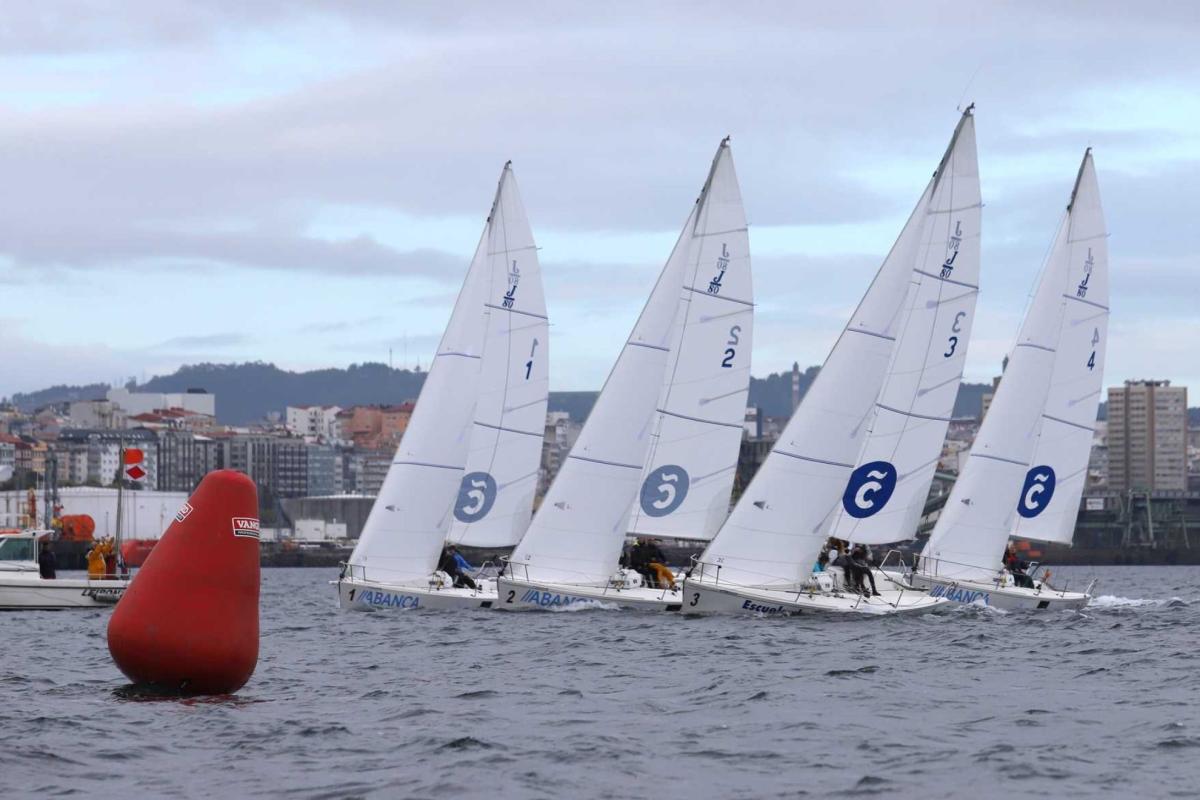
{"type": "Point", "coordinates": [304, 182]}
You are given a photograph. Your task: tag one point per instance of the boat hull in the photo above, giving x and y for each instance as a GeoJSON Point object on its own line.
{"type": "Point", "coordinates": [522, 595]}
{"type": "Point", "coordinates": [1005, 598]}
{"type": "Point", "coordinates": [24, 591]}
{"type": "Point", "coordinates": [704, 597]}
{"type": "Point", "coordinates": [363, 595]}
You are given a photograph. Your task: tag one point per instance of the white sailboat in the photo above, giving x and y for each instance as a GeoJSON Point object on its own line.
{"type": "Point", "coordinates": [664, 433]}
{"type": "Point", "coordinates": [465, 456]}
{"type": "Point", "coordinates": [1026, 471]}
{"type": "Point", "coordinates": [761, 561]}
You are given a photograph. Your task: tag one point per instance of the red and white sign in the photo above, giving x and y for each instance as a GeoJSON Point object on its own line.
{"type": "Point", "coordinates": [245, 526]}
{"type": "Point", "coordinates": [133, 458]}
{"type": "Point", "coordinates": [183, 512]}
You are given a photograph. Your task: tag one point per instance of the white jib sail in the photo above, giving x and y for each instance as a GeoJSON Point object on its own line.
{"type": "Point", "coordinates": [578, 532]}
{"type": "Point", "coordinates": [407, 526]}
{"type": "Point", "coordinates": [1049, 503]}
{"type": "Point", "coordinates": [969, 538]}
{"type": "Point", "coordinates": [697, 430]}
{"type": "Point", "coordinates": [781, 521]}
{"type": "Point", "coordinates": [495, 498]}
{"type": "Point", "coordinates": [885, 494]}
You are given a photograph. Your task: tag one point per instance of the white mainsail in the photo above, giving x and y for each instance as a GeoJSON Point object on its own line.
{"type": "Point", "coordinates": [781, 521]}
{"type": "Point", "coordinates": [886, 492]}
{"type": "Point", "coordinates": [495, 498]}
{"type": "Point", "coordinates": [968, 540]}
{"type": "Point", "coordinates": [407, 526]}
{"type": "Point", "coordinates": [1049, 503]}
{"type": "Point", "coordinates": [578, 532]}
{"type": "Point", "coordinates": [697, 430]}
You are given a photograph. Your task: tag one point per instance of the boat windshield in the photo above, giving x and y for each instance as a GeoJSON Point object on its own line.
{"type": "Point", "coordinates": [14, 548]}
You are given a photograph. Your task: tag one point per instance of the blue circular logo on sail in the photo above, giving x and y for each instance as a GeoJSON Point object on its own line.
{"type": "Point", "coordinates": [664, 490]}
{"type": "Point", "coordinates": [869, 489]}
{"type": "Point", "coordinates": [475, 497]}
{"type": "Point", "coordinates": [1037, 491]}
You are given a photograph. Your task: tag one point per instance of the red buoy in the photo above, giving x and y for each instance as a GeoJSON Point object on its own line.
{"type": "Point", "coordinates": [189, 619]}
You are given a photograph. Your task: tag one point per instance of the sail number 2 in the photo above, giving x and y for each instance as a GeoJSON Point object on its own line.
{"type": "Point", "coordinates": [730, 344]}
{"type": "Point", "coordinates": [952, 342]}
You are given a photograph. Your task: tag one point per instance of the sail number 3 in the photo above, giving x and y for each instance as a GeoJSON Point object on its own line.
{"type": "Point", "coordinates": [952, 342]}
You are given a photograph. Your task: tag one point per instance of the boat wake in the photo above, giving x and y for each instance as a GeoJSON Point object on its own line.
{"type": "Point", "coordinates": [1112, 601]}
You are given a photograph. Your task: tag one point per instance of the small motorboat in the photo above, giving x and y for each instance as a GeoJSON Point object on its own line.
{"type": "Point", "coordinates": [22, 584]}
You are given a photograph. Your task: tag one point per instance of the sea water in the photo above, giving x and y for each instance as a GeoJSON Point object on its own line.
{"type": "Point", "coordinates": [967, 702]}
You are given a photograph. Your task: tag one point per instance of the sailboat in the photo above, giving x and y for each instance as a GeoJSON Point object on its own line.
{"type": "Point", "coordinates": [661, 444]}
{"type": "Point", "coordinates": [1026, 471]}
{"type": "Point", "coordinates": [762, 560]}
{"type": "Point", "coordinates": [464, 465]}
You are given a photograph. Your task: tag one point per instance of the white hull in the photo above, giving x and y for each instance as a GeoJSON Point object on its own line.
{"type": "Point", "coordinates": [364, 595]}
{"type": "Point", "coordinates": [1006, 598]}
{"type": "Point", "coordinates": [23, 590]}
{"type": "Point", "coordinates": [706, 597]}
{"type": "Point", "coordinates": [532, 595]}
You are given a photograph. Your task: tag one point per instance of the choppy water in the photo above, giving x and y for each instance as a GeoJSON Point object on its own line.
{"type": "Point", "coordinates": [599, 703]}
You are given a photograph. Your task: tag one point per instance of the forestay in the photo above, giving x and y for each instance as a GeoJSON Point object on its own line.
{"type": "Point", "coordinates": [968, 541]}
{"type": "Point", "coordinates": [1049, 502]}
{"type": "Point", "coordinates": [781, 521]}
{"type": "Point", "coordinates": [697, 429]}
{"type": "Point", "coordinates": [579, 530]}
{"type": "Point", "coordinates": [407, 526]}
{"type": "Point", "coordinates": [495, 498]}
{"type": "Point", "coordinates": [885, 494]}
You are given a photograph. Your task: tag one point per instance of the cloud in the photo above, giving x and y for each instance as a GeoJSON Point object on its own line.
{"type": "Point", "coordinates": [217, 340]}
{"type": "Point", "coordinates": [146, 145]}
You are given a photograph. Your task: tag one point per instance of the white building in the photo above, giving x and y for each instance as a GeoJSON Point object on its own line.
{"type": "Point", "coordinates": [96, 414]}
{"type": "Point", "coordinates": [134, 403]}
{"type": "Point", "coordinates": [314, 422]}
{"type": "Point", "coordinates": [318, 530]}
{"type": "Point", "coordinates": [146, 514]}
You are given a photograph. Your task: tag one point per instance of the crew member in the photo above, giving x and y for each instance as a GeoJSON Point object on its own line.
{"type": "Point", "coordinates": [1016, 567]}
{"type": "Point", "coordinates": [47, 563]}
{"type": "Point", "coordinates": [453, 564]}
{"type": "Point", "coordinates": [657, 564]}
{"type": "Point", "coordinates": [861, 564]}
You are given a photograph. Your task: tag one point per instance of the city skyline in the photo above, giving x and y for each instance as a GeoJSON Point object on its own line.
{"type": "Point", "coordinates": [304, 186]}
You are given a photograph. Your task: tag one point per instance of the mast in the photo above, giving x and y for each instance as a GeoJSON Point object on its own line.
{"type": "Point", "coordinates": [120, 493]}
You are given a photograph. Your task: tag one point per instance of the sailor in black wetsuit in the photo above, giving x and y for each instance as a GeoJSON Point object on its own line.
{"type": "Point", "coordinates": [862, 567]}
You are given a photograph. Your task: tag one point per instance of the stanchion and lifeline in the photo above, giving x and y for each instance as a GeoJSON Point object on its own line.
{"type": "Point", "coordinates": [189, 620]}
